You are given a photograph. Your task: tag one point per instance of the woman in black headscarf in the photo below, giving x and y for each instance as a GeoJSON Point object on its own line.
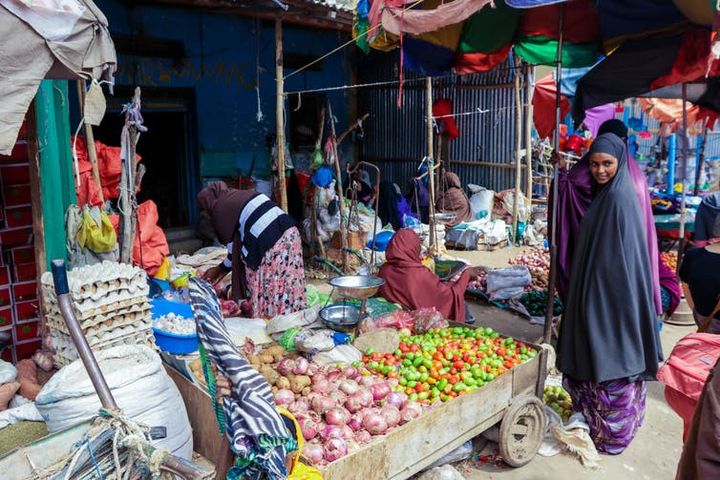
{"type": "Point", "coordinates": [609, 345]}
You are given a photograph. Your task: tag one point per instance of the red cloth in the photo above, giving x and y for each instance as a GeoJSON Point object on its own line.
{"type": "Point", "coordinates": [409, 283]}
{"type": "Point", "coordinates": [581, 23]}
{"type": "Point", "coordinates": [109, 168]}
{"type": "Point", "coordinates": [150, 247]}
{"type": "Point", "coordinates": [691, 61]}
{"type": "Point", "coordinates": [544, 106]}
{"type": "Point", "coordinates": [481, 62]}
{"type": "Point", "coordinates": [449, 127]}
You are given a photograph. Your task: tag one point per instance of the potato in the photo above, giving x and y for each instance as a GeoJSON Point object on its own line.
{"type": "Point", "coordinates": [270, 375]}
{"type": "Point", "coordinates": [283, 382]}
{"type": "Point", "coordinates": [274, 350]}
{"type": "Point", "coordinates": [306, 391]}
{"type": "Point", "coordinates": [265, 358]}
{"type": "Point", "coordinates": [298, 383]}
{"type": "Point", "coordinates": [254, 359]}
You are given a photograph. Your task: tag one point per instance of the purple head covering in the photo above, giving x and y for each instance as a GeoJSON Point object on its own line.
{"type": "Point", "coordinates": [574, 197]}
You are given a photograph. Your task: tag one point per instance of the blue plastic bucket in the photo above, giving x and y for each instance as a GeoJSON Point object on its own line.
{"type": "Point", "coordinates": [382, 240]}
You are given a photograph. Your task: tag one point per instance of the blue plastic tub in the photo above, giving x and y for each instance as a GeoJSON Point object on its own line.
{"type": "Point", "coordinates": [172, 342]}
{"type": "Point", "coordinates": [382, 240]}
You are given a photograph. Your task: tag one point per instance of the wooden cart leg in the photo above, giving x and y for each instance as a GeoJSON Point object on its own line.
{"type": "Point", "coordinates": [223, 459]}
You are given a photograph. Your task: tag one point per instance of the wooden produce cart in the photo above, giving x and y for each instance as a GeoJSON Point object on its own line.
{"type": "Point", "coordinates": [511, 399]}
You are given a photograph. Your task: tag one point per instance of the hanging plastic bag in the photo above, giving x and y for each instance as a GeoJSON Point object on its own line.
{"type": "Point", "coordinates": [98, 236]}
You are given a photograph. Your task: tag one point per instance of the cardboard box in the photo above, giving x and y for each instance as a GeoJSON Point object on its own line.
{"type": "Point", "coordinates": [22, 255]}
{"type": "Point", "coordinates": [25, 272]}
{"type": "Point", "coordinates": [16, 195]}
{"type": "Point", "coordinates": [6, 317]}
{"type": "Point", "coordinates": [15, 174]}
{"type": "Point", "coordinates": [27, 331]}
{"type": "Point", "coordinates": [16, 237]}
{"type": "Point", "coordinates": [25, 311]}
{"type": "Point", "coordinates": [18, 216]}
{"type": "Point", "coordinates": [25, 291]}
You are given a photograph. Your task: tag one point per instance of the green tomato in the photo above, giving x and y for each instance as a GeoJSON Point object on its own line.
{"type": "Point", "coordinates": [459, 387]}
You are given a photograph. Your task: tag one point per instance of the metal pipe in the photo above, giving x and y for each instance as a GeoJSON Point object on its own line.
{"type": "Point", "coordinates": [547, 331]}
{"type": "Point", "coordinates": [683, 200]}
{"type": "Point", "coordinates": [65, 302]}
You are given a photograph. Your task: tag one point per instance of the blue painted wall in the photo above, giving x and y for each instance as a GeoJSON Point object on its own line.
{"type": "Point", "coordinates": [222, 53]}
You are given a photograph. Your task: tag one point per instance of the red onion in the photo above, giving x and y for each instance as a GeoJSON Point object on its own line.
{"type": "Point", "coordinates": [367, 380]}
{"type": "Point", "coordinates": [312, 370]}
{"type": "Point", "coordinates": [355, 423]}
{"type": "Point", "coordinates": [396, 399]}
{"type": "Point", "coordinates": [318, 377]}
{"type": "Point", "coordinates": [349, 386]}
{"type": "Point", "coordinates": [349, 372]}
{"type": "Point", "coordinates": [301, 366]}
{"type": "Point", "coordinates": [299, 406]}
{"type": "Point", "coordinates": [375, 424]}
{"type": "Point", "coordinates": [309, 428]}
{"type": "Point", "coordinates": [359, 400]}
{"type": "Point", "coordinates": [285, 367]}
{"type": "Point", "coordinates": [409, 411]}
{"type": "Point", "coordinates": [356, 378]}
{"type": "Point", "coordinates": [337, 416]}
{"type": "Point", "coordinates": [333, 375]}
{"type": "Point", "coordinates": [362, 436]}
{"type": "Point", "coordinates": [284, 397]}
{"type": "Point", "coordinates": [391, 414]}
{"type": "Point", "coordinates": [322, 385]}
{"type": "Point", "coordinates": [338, 396]}
{"type": "Point", "coordinates": [314, 453]}
{"type": "Point", "coordinates": [335, 448]}
{"type": "Point", "coordinates": [331, 431]}
{"type": "Point", "coordinates": [379, 390]}
{"type": "Point", "coordinates": [347, 432]}
{"type": "Point", "coordinates": [322, 404]}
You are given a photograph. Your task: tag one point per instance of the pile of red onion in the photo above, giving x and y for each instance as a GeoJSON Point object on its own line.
{"type": "Point", "coordinates": [345, 409]}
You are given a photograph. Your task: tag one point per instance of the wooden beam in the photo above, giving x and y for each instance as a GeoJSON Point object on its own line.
{"type": "Point", "coordinates": [338, 174]}
{"type": "Point", "coordinates": [36, 203]}
{"type": "Point", "coordinates": [529, 82]}
{"type": "Point", "coordinates": [280, 113]}
{"type": "Point", "coordinates": [518, 140]}
{"type": "Point", "coordinates": [431, 171]}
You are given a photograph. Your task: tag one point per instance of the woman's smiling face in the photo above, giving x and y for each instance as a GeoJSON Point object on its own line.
{"type": "Point", "coordinates": [603, 167]}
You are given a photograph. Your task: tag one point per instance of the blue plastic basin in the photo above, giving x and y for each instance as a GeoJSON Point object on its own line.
{"type": "Point", "coordinates": [173, 342]}
{"type": "Point", "coordinates": [382, 240]}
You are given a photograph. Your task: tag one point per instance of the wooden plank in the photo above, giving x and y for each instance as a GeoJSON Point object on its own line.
{"type": "Point", "coordinates": [280, 113]}
{"type": "Point", "coordinates": [206, 435]}
{"type": "Point", "coordinates": [36, 203]}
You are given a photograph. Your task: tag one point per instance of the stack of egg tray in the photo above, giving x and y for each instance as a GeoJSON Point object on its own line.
{"type": "Point", "coordinates": [110, 300]}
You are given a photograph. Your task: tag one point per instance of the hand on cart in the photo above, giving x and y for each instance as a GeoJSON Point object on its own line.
{"type": "Point", "coordinates": [557, 159]}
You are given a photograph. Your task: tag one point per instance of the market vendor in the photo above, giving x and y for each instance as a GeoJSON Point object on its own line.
{"type": "Point", "coordinates": [609, 344]}
{"type": "Point", "coordinates": [575, 192]}
{"type": "Point", "coordinates": [452, 199]}
{"type": "Point", "coordinates": [707, 218]}
{"type": "Point", "coordinates": [265, 250]}
{"type": "Point", "coordinates": [410, 283]}
{"type": "Point", "coordinates": [700, 271]}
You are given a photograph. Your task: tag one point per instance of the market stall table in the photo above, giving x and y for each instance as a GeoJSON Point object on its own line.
{"type": "Point", "coordinates": [668, 227]}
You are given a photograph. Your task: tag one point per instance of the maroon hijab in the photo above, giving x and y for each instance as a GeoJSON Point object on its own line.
{"type": "Point", "coordinates": [409, 283]}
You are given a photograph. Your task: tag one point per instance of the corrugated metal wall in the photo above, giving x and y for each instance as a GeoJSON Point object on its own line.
{"type": "Point", "coordinates": [395, 139]}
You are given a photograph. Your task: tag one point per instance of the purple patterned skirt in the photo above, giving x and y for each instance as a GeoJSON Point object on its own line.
{"type": "Point", "coordinates": [615, 410]}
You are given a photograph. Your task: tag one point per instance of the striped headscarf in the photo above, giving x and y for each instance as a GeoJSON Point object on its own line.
{"type": "Point", "coordinates": [256, 431]}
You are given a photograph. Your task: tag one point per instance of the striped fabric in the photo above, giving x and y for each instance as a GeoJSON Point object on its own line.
{"type": "Point", "coordinates": [256, 431]}
{"type": "Point", "coordinates": [261, 224]}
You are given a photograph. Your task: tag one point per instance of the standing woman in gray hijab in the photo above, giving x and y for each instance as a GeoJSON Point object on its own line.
{"type": "Point", "coordinates": [609, 345]}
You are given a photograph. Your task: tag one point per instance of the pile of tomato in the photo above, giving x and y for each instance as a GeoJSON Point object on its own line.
{"type": "Point", "coordinates": [446, 362]}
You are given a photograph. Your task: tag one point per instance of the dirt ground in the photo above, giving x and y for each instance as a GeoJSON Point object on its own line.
{"type": "Point", "coordinates": [654, 453]}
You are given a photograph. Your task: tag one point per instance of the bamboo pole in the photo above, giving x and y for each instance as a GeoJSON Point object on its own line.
{"type": "Point", "coordinates": [529, 81]}
{"type": "Point", "coordinates": [338, 174]}
{"type": "Point", "coordinates": [683, 163]}
{"type": "Point", "coordinates": [89, 139]}
{"type": "Point", "coordinates": [431, 172]}
{"type": "Point", "coordinates": [280, 113]}
{"type": "Point", "coordinates": [518, 167]}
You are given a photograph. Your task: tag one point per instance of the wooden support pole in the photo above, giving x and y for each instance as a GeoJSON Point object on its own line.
{"type": "Point", "coordinates": [431, 173]}
{"type": "Point", "coordinates": [518, 140]}
{"type": "Point", "coordinates": [280, 113]}
{"type": "Point", "coordinates": [529, 83]}
{"type": "Point", "coordinates": [338, 184]}
{"type": "Point", "coordinates": [89, 139]}
{"type": "Point", "coordinates": [38, 227]}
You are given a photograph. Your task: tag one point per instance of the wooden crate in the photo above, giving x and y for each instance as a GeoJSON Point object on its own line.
{"type": "Point", "coordinates": [417, 444]}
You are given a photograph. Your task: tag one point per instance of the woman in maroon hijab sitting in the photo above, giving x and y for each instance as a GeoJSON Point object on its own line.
{"type": "Point", "coordinates": [410, 283]}
{"type": "Point", "coordinates": [266, 251]}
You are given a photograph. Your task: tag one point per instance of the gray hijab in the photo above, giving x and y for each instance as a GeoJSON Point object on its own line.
{"type": "Point", "coordinates": [609, 329]}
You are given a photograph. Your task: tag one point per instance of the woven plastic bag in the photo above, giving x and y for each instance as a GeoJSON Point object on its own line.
{"type": "Point", "coordinates": [96, 232]}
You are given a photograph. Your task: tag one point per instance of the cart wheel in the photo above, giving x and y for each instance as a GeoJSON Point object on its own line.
{"type": "Point", "coordinates": [522, 430]}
